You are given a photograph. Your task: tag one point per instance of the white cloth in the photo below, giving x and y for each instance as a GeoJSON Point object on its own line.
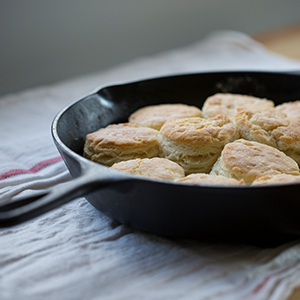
{"type": "Point", "coordinates": [75, 252]}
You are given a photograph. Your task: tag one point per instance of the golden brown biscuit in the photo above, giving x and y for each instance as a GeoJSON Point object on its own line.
{"type": "Point", "coordinates": [291, 109]}
{"type": "Point", "coordinates": [196, 143]}
{"type": "Point", "coordinates": [226, 104]}
{"type": "Point", "coordinates": [121, 142]}
{"type": "Point", "coordinates": [207, 179]}
{"type": "Point", "coordinates": [288, 139]}
{"type": "Point", "coordinates": [276, 179]}
{"type": "Point", "coordinates": [158, 168]}
{"type": "Point", "coordinates": [258, 122]}
{"type": "Point", "coordinates": [249, 160]}
{"type": "Point", "coordinates": [271, 127]}
{"type": "Point", "coordinates": [155, 116]}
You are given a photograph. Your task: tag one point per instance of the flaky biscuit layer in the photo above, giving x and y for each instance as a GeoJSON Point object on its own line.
{"type": "Point", "coordinates": [271, 127]}
{"type": "Point", "coordinates": [291, 109]}
{"type": "Point", "coordinates": [196, 143]}
{"type": "Point", "coordinates": [121, 142]}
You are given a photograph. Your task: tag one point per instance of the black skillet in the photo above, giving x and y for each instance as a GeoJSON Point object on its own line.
{"type": "Point", "coordinates": [238, 214]}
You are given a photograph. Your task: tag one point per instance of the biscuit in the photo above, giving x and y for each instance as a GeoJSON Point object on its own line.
{"type": "Point", "coordinates": [257, 123]}
{"type": "Point", "coordinates": [157, 168]}
{"type": "Point", "coordinates": [249, 160]}
{"type": "Point", "coordinates": [271, 127]}
{"type": "Point", "coordinates": [155, 116]}
{"type": "Point", "coordinates": [206, 179]}
{"type": "Point", "coordinates": [288, 139]}
{"type": "Point", "coordinates": [226, 104]}
{"type": "Point", "coordinates": [291, 109]}
{"type": "Point", "coordinates": [121, 142]}
{"type": "Point", "coordinates": [196, 143]}
{"type": "Point", "coordinates": [276, 179]}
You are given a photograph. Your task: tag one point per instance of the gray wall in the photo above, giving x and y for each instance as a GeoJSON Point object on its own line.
{"type": "Point", "coordinates": [46, 41]}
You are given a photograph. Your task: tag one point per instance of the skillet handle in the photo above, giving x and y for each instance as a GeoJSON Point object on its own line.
{"type": "Point", "coordinates": [28, 208]}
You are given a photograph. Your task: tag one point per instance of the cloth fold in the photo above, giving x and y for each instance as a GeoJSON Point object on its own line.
{"type": "Point", "coordinates": [76, 252]}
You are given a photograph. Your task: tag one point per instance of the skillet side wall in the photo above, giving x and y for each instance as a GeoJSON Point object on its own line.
{"type": "Point", "coordinates": [239, 214]}
{"type": "Point", "coordinates": [223, 214]}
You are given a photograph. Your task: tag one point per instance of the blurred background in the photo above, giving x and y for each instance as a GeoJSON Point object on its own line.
{"type": "Point", "coordinates": [43, 42]}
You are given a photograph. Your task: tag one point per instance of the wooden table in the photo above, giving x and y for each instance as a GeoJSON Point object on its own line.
{"type": "Point", "coordinates": [284, 41]}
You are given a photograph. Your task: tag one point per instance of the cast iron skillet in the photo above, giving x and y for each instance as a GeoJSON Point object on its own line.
{"type": "Point", "coordinates": [239, 214]}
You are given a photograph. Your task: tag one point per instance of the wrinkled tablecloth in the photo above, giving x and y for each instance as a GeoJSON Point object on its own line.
{"type": "Point", "coordinates": [76, 252]}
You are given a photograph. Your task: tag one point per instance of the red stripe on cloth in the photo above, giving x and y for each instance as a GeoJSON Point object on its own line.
{"type": "Point", "coordinates": [32, 170]}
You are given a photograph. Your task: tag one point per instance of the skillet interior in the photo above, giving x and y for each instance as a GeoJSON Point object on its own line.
{"type": "Point", "coordinates": [268, 214]}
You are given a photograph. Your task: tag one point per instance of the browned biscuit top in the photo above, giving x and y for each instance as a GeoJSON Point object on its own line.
{"type": "Point", "coordinates": [206, 179]}
{"type": "Point", "coordinates": [291, 109]}
{"type": "Point", "coordinates": [253, 160]}
{"type": "Point", "coordinates": [155, 116]}
{"type": "Point", "coordinates": [228, 103]}
{"type": "Point", "coordinates": [159, 168]}
{"type": "Point", "coordinates": [122, 135]}
{"type": "Point", "coordinates": [198, 130]}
